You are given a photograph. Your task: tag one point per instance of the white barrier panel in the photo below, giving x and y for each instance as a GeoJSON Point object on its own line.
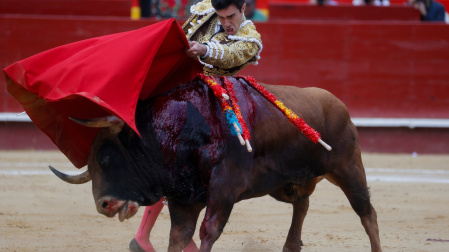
{"type": "Point", "coordinates": [401, 122]}
{"type": "Point", "coordinates": [358, 121]}
{"type": "Point", "coordinates": [372, 174]}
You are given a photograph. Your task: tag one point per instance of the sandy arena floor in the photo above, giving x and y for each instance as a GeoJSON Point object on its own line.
{"type": "Point", "coordinates": [38, 212]}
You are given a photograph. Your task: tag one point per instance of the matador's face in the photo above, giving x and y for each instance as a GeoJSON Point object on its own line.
{"type": "Point", "coordinates": [231, 18]}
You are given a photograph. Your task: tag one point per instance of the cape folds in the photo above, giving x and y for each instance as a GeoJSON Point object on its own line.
{"type": "Point", "coordinates": [98, 77]}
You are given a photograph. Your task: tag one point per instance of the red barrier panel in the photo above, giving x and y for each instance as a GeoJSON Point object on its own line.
{"type": "Point", "coordinates": [404, 140]}
{"type": "Point", "coordinates": [378, 69]}
{"type": "Point", "coordinates": [25, 36]}
{"type": "Point", "coordinates": [19, 135]}
{"type": "Point", "coordinates": [283, 11]}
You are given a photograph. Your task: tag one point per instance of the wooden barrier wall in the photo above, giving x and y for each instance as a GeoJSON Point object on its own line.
{"type": "Point", "coordinates": [378, 69]}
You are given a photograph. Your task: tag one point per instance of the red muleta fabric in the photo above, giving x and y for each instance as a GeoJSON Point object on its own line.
{"type": "Point", "coordinates": [98, 77]}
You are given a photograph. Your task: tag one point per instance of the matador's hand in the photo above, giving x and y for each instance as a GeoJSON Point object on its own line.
{"type": "Point", "coordinates": [196, 49]}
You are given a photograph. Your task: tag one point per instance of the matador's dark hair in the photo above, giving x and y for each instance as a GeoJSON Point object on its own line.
{"type": "Point", "coordinates": [222, 4]}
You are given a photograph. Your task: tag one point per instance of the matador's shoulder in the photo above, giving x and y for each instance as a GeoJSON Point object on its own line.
{"type": "Point", "coordinates": [201, 12]}
{"type": "Point", "coordinates": [247, 31]}
{"type": "Point", "coordinates": [202, 8]}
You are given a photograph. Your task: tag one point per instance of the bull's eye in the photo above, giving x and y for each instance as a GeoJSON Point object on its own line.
{"type": "Point", "coordinates": [108, 157]}
{"type": "Point", "coordinates": [105, 161]}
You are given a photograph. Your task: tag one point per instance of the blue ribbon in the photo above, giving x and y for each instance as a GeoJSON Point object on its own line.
{"type": "Point", "coordinates": [231, 118]}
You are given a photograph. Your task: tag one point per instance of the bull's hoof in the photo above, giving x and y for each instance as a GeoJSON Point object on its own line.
{"type": "Point", "coordinates": [285, 249]}
{"type": "Point", "coordinates": [293, 247]}
{"type": "Point", "coordinates": [135, 247]}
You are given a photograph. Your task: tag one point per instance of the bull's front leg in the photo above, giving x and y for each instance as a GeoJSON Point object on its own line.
{"type": "Point", "coordinates": [223, 191]}
{"type": "Point", "coordinates": [218, 210]}
{"type": "Point", "coordinates": [183, 224]}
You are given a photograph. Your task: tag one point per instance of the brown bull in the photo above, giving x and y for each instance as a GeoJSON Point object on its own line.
{"type": "Point", "coordinates": [187, 154]}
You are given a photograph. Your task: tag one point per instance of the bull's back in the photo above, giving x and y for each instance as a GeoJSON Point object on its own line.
{"type": "Point", "coordinates": [318, 107]}
{"type": "Point", "coordinates": [322, 111]}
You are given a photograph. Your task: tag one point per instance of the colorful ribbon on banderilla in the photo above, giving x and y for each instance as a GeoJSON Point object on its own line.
{"type": "Point", "coordinates": [308, 131]}
{"type": "Point", "coordinates": [234, 117]}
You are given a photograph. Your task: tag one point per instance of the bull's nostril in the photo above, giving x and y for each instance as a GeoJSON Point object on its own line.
{"type": "Point", "coordinates": [104, 204]}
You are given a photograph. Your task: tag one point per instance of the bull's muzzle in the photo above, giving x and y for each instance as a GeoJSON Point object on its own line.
{"type": "Point", "coordinates": [110, 206]}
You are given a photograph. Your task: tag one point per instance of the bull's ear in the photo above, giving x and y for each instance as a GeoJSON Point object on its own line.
{"type": "Point", "coordinates": [196, 131]}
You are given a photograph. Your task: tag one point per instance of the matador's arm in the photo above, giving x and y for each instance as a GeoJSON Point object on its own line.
{"type": "Point", "coordinates": [232, 54]}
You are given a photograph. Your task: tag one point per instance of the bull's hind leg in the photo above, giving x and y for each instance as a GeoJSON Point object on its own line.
{"type": "Point", "coordinates": [350, 177]}
{"type": "Point", "coordinates": [298, 196]}
{"type": "Point", "coordinates": [294, 242]}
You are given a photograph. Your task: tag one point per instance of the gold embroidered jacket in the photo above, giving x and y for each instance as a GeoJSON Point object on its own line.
{"type": "Point", "coordinates": [227, 54]}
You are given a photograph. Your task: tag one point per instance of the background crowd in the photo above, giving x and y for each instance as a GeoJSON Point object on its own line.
{"type": "Point", "coordinates": [430, 10]}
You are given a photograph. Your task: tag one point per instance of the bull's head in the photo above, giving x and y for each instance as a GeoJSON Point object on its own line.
{"type": "Point", "coordinates": [122, 169]}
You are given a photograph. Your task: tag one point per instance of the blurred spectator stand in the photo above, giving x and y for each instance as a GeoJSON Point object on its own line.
{"type": "Point", "coordinates": [295, 11]}
{"type": "Point", "coordinates": [117, 8]}
{"type": "Point", "coordinates": [263, 5]}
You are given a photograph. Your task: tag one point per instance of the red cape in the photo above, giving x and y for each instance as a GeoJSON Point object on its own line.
{"type": "Point", "coordinates": [98, 77]}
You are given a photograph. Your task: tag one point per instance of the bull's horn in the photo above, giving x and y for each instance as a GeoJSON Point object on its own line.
{"type": "Point", "coordinates": [101, 122]}
{"type": "Point", "coordinates": [72, 179]}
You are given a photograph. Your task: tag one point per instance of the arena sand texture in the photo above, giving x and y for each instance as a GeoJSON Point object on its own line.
{"type": "Point", "coordinates": [38, 212]}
